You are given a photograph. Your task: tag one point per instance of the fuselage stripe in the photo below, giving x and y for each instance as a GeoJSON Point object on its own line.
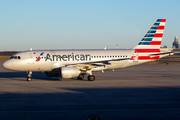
{"type": "Point", "coordinates": [147, 50]}
{"type": "Point", "coordinates": [145, 57]}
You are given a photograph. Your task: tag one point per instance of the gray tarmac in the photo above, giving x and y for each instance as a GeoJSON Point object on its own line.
{"type": "Point", "coordinates": [139, 92]}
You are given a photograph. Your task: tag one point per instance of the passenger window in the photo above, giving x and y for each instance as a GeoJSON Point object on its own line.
{"type": "Point", "coordinates": [99, 56]}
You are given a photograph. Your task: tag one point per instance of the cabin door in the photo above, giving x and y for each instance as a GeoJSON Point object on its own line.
{"type": "Point", "coordinates": [30, 57]}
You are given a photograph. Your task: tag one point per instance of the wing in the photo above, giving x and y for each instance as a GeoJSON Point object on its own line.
{"type": "Point", "coordinates": [90, 65]}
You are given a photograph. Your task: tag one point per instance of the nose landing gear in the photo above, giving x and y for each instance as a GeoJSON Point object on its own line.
{"type": "Point", "coordinates": [29, 78]}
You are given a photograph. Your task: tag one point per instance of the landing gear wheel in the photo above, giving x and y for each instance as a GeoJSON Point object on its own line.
{"type": "Point", "coordinates": [80, 77]}
{"type": "Point", "coordinates": [29, 79]}
{"type": "Point", "coordinates": [91, 77]}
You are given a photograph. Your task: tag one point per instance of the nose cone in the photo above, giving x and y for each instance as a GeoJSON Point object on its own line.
{"type": "Point", "coordinates": [7, 65]}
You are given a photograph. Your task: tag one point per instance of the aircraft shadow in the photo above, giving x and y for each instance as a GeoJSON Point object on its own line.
{"type": "Point", "coordinates": [35, 75]}
{"type": "Point", "coordinates": [107, 103]}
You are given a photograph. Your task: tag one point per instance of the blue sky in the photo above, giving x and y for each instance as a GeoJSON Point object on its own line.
{"type": "Point", "coordinates": [83, 24]}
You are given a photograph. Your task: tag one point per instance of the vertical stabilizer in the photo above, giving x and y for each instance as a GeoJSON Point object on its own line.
{"type": "Point", "coordinates": [153, 38]}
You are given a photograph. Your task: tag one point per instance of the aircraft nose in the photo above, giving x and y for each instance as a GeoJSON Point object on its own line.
{"type": "Point", "coordinates": [6, 65]}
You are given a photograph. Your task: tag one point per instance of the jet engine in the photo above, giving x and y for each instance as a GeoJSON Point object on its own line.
{"type": "Point", "coordinates": [64, 72]}
{"type": "Point", "coordinates": [69, 72]}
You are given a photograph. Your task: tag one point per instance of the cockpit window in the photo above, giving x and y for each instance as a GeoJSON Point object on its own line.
{"type": "Point", "coordinates": [15, 57]}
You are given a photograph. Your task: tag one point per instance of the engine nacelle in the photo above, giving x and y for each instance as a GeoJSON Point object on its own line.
{"type": "Point", "coordinates": [69, 72]}
{"type": "Point", "coordinates": [53, 73]}
{"type": "Point", "coordinates": [64, 72]}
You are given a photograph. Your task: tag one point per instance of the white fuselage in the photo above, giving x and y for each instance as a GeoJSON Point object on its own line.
{"type": "Point", "coordinates": [36, 61]}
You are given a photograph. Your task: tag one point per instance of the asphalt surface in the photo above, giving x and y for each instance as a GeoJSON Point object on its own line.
{"type": "Point", "coordinates": [139, 92]}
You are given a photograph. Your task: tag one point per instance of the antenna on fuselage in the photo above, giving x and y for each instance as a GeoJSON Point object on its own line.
{"type": "Point", "coordinates": [31, 49]}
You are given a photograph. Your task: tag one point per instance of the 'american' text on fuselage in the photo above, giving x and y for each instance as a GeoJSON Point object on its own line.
{"type": "Point", "coordinates": [71, 57]}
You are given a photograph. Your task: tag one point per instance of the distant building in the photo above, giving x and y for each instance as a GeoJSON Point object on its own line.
{"type": "Point", "coordinates": [175, 43]}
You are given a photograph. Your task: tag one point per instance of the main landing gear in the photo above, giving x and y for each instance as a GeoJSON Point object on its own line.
{"type": "Point", "coordinates": [29, 78]}
{"type": "Point", "coordinates": [80, 77]}
{"type": "Point", "coordinates": [90, 77]}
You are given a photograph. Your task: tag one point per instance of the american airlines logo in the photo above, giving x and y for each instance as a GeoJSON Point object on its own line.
{"type": "Point", "coordinates": [70, 57]}
{"type": "Point", "coordinates": [39, 57]}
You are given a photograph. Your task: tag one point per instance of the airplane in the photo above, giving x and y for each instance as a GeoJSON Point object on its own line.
{"type": "Point", "coordinates": [77, 63]}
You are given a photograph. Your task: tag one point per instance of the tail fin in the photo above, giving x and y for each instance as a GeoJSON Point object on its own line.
{"type": "Point", "coordinates": [153, 38]}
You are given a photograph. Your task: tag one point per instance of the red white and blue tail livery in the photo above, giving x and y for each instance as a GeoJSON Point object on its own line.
{"type": "Point", "coordinates": [151, 42]}
{"type": "Point", "coordinates": [153, 38]}
{"type": "Point", "coordinates": [77, 63]}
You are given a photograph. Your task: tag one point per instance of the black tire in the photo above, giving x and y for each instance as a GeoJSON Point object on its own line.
{"type": "Point", "coordinates": [29, 79]}
{"type": "Point", "coordinates": [80, 77]}
{"type": "Point", "coordinates": [91, 77]}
